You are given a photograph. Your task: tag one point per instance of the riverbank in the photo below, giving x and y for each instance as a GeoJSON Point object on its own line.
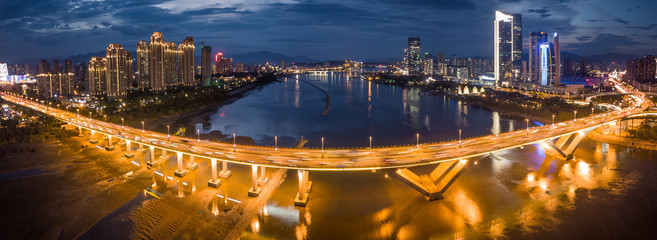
{"type": "Point", "coordinates": [598, 135]}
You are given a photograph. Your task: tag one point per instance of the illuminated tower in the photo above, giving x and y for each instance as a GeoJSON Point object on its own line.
{"type": "Point", "coordinates": [535, 40]}
{"type": "Point", "coordinates": [557, 60]}
{"type": "Point", "coordinates": [119, 71]}
{"type": "Point", "coordinates": [97, 76]}
{"type": "Point", "coordinates": [413, 58]}
{"type": "Point", "coordinates": [170, 64]}
{"type": "Point", "coordinates": [508, 47]}
{"type": "Point", "coordinates": [156, 62]}
{"type": "Point", "coordinates": [186, 58]}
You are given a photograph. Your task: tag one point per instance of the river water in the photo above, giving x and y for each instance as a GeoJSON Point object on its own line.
{"type": "Point", "coordinates": [605, 192]}
{"type": "Point", "coordinates": [359, 109]}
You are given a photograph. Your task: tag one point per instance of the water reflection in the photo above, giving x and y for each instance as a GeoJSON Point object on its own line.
{"type": "Point", "coordinates": [359, 109]}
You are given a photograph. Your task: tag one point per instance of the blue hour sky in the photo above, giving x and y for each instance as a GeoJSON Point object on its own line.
{"type": "Point", "coordinates": [329, 29]}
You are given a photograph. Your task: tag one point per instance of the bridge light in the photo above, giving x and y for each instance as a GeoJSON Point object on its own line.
{"type": "Point", "coordinates": [530, 177]}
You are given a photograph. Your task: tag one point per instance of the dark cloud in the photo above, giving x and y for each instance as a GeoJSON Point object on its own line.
{"type": "Point", "coordinates": [439, 4]}
{"type": "Point", "coordinates": [106, 23]}
{"type": "Point", "coordinates": [605, 42]}
{"type": "Point", "coordinates": [583, 38]}
{"type": "Point", "coordinates": [540, 11]}
{"type": "Point", "coordinates": [619, 20]}
{"type": "Point", "coordinates": [649, 27]}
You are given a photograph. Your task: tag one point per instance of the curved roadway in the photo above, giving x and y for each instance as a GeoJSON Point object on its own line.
{"type": "Point", "coordinates": [338, 159]}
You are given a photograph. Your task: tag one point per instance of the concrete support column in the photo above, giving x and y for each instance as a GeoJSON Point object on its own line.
{"type": "Point", "coordinates": [305, 186]}
{"type": "Point", "coordinates": [263, 177]}
{"type": "Point", "coordinates": [92, 133]}
{"type": "Point", "coordinates": [164, 152]}
{"type": "Point", "coordinates": [152, 156]}
{"type": "Point", "coordinates": [127, 146]}
{"type": "Point", "coordinates": [80, 130]}
{"type": "Point", "coordinates": [214, 182]}
{"type": "Point", "coordinates": [180, 172]}
{"type": "Point", "coordinates": [192, 165]}
{"type": "Point", "coordinates": [109, 140]}
{"type": "Point", "coordinates": [255, 190]}
{"type": "Point", "coordinates": [225, 173]}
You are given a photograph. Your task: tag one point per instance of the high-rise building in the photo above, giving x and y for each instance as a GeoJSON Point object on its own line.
{"type": "Point", "coordinates": [186, 61]}
{"type": "Point", "coordinates": [156, 62]}
{"type": "Point", "coordinates": [97, 76]}
{"type": "Point", "coordinates": [51, 85]}
{"type": "Point", "coordinates": [547, 72]}
{"type": "Point", "coordinates": [641, 71]}
{"type": "Point", "coordinates": [282, 64]}
{"type": "Point", "coordinates": [170, 64]}
{"type": "Point", "coordinates": [413, 59]}
{"type": "Point", "coordinates": [206, 65]}
{"type": "Point", "coordinates": [507, 47]}
{"type": "Point", "coordinates": [535, 41]}
{"type": "Point", "coordinates": [55, 66]}
{"type": "Point", "coordinates": [119, 71]}
{"type": "Point", "coordinates": [44, 67]}
{"type": "Point", "coordinates": [224, 65]}
{"type": "Point", "coordinates": [143, 65]}
{"type": "Point", "coordinates": [557, 60]}
{"type": "Point", "coordinates": [68, 66]}
{"type": "Point", "coordinates": [428, 63]}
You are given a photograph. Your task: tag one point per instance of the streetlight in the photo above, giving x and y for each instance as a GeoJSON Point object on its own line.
{"type": "Point", "coordinates": [122, 126]}
{"type": "Point", "coordinates": [198, 135]}
{"type": "Point", "coordinates": [592, 111]}
{"type": "Point", "coordinates": [78, 113]}
{"type": "Point", "coordinates": [322, 144]}
{"type": "Point", "coordinates": [276, 143]}
{"type": "Point", "coordinates": [459, 137]}
{"type": "Point", "coordinates": [552, 119]}
{"type": "Point", "coordinates": [234, 144]}
{"type": "Point", "coordinates": [370, 142]}
{"type": "Point", "coordinates": [575, 116]}
{"type": "Point", "coordinates": [142, 126]}
{"type": "Point", "coordinates": [90, 116]}
{"type": "Point", "coordinates": [168, 135]}
{"type": "Point", "coordinates": [417, 140]}
{"type": "Point", "coordinates": [527, 122]}
{"type": "Point", "coordinates": [105, 116]}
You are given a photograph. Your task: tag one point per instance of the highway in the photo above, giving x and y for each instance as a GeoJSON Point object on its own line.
{"type": "Point", "coordinates": [339, 159]}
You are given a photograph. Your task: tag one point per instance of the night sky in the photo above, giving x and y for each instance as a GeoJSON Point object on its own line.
{"type": "Point", "coordinates": [325, 30]}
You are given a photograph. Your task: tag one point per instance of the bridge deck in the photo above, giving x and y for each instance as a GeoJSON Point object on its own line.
{"type": "Point", "coordinates": [335, 159]}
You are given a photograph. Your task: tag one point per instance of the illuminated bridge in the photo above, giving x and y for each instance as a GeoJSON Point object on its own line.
{"type": "Point", "coordinates": [450, 157]}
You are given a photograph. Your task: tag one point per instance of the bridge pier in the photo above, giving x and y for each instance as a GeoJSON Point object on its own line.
{"type": "Point", "coordinates": [225, 173]}
{"type": "Point", "coordinates": [109, 143]}
{"type": "Point", "coordinates": [150, 162]}
{"type": "Point", "coordinates": [79, 130]}
{"type": "Point", "coordinates": [305, 186]}
{"type": "Point", "coordinates": [214, 182]}
{"type": "Point", "coordinates": [192, 165]}
{"type": "Point", "coordinates": [255, 190]}
{"type": "Point", "coordinates": [263, 178]}
{"type": "Point", "coordinates": [128, 150]}
{"type": "Point", "coordinates": [434, 185]}
{"type": "Point", "coordinates": [565, 145]}
{"type": "Point", "coordinates": [181, 172]}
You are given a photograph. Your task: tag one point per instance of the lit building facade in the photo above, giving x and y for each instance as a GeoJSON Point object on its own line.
{"type": "Point", "coordinates": [535, 41]}
{"type": "Point", "coordinates": [507, 47]}
{"type": "Point", "coordinates": [119, 71]}
{"type": "Point", "coordinates": [143, 66]}
{"type": "Point", "coordinates": [186, 61]}
{"type": "Point", "coordinates": [413, 59]}
{"type": "Point", "coordinates": [156, 62]}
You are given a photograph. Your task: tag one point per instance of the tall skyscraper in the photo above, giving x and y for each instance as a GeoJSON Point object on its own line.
{"type": "Point", "coordinates": [52, 85]}
{"type": "Point", "coordinates": [206, 64]}
{"type": "Point", "coordinates": [557, 60]}
{"type": "Point", "coordinates": [535, 41]}
{"type": "Point", "coordinates": [508, 47]}
{"type": "Point", "coordinates": [119, 71]}
{"type": "Point", "coordinates": [97, 76]}
{"type": "Point", "coordinates": [170, 64]}
{"type": "Point", "coordinates": [156, 62]}
{"type": "Point", "coordinates": [413, 58]}
{"type": "Point", "coordinates": [68, 66]}
{"type": "Point", "coordinates": [143, 65]}
{"type": "Point", "coordinates": [186, 61]}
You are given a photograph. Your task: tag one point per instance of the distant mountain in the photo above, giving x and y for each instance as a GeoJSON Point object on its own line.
{"type": "Point", "coordinates": [267, 56]}
{"type": "Point", "coordinates": [612, 57]}
{"type": "Point", "coordinates": [75, 59]}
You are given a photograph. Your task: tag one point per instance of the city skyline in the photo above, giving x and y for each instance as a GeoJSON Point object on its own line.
{"type": "Point", "coordinates": [326, 30]}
